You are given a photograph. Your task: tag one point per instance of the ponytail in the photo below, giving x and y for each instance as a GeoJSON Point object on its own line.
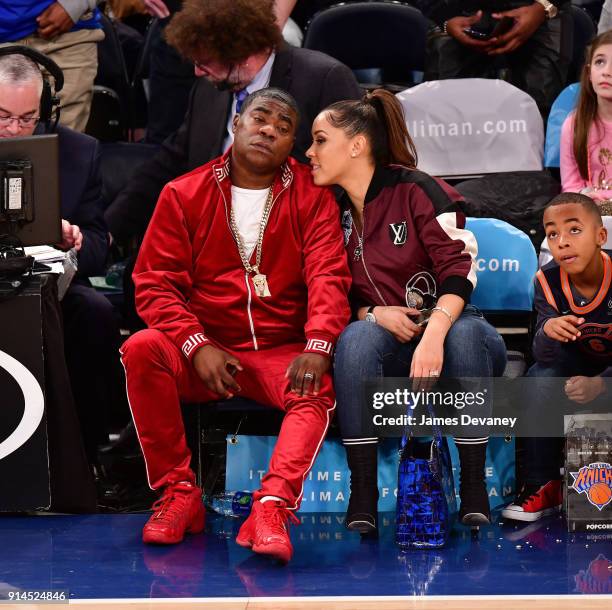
{"type": "Point", "coordinates": [380, 117]}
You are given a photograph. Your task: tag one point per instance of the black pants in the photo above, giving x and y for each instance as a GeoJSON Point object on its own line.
{"type": "Point", "coordinates": [91, 344]}
{"type": "Point", "coordinates": [544, 455]}
{"type": "Point", "coordinates": [539, 67]}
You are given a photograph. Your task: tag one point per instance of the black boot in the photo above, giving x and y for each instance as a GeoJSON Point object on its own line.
{"type": "Point", "coordinates": [362, 512]}
{"type": "Point", "coordinates": [473, 490]}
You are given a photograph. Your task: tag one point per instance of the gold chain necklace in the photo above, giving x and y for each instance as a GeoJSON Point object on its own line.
{"type": "Point", "coordinates": [260, 282]}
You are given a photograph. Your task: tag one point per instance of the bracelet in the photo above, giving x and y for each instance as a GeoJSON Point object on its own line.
{"type": "Point", "coordinates": [444, 30]}
{"type": "Point", "coordinates": [445, 312]}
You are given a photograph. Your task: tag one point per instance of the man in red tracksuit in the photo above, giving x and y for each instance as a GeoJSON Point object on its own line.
{"type": "Point", "coordinates": [242, 280]}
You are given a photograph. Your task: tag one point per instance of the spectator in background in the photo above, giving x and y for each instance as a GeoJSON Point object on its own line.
{"type": "Point", "coordinates": [91, 335]}
{"type": "Point", "coordinates": [586, 136]}
{"type": "Point", "coordinates": [67, 31]}
{"type": "Point", "coordinates": [171, 77]}
{"type": "Point", "coordinates": [536, 49]}
{"type": "Point", "coordinates": [219, 37]}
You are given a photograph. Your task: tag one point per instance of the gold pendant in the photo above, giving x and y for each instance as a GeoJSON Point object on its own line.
{"type": "Point", "coordinates": [261, 285]}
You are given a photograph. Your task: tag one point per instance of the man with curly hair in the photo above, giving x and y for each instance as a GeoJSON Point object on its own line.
{"type": "Point", "coordinates": [237, 49]}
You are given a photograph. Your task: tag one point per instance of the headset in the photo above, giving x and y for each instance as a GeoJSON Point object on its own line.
{"type": "Point", "coordinates": [49, 101]}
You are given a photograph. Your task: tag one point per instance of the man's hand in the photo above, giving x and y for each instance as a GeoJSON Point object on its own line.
{"type": "Point", "coordinates": [582, 389]}
{"type": "Point", "coordinates": [395, 319]}
{"type": "Point", "coordinates": [527, 19]}
{"type": "Point", "coordinates": [53, 21]}
{"type": "Point", "coordinates": [71, 237]}
{"type": "Point", "coordinates": [305, 373]}
{"type": "Point", "coordinates": [214, 367]}
{"type": "Point", "coordinates": [455, 27]}
{"type": "Point", "coordinates": [157, 8]}
{"type": "Point", "coordinates": [563, 328]}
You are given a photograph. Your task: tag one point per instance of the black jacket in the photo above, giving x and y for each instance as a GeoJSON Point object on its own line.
{"type": "Point", "coordinates": [81, 196]}
{"type": "Point", "coordinates": [315, 80]}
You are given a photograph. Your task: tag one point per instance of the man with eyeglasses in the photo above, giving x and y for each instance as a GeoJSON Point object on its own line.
{"type": "Point", "coordinates": [237, 49]}
{"type": "Point", "coordinates": [90, 331]}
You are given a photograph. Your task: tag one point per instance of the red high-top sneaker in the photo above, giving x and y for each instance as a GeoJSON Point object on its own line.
{"type": "Point", "coordinates": [179, 510]}
{"type": "Point", "coordinates": [265, 531]}
{"type": "Point", "coordinates": [535, 501]}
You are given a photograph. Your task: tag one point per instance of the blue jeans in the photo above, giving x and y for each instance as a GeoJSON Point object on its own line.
{"type": "Point", "coordinates": [472, 348]}
{"type": "Point", "coordinates": [543, 455]}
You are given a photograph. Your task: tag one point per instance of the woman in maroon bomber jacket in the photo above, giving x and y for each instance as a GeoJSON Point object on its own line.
{"type": "Point", "coordinates": [407, 246]}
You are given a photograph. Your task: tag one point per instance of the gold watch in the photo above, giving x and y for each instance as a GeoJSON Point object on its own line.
{"type": "Point", "coordinates": [551, 10]}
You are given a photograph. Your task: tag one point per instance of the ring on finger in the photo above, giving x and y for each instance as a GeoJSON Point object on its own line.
{"type": "Point", "coordinates": [308, 377]}
{"type": "Point", "coordinates": [434, 373]}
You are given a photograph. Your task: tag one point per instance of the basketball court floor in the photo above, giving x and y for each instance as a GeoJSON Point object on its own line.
{"type": "Point", "coordinates": [100, 562]}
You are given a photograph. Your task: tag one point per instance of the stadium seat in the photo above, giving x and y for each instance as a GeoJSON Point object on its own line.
{"type": "Point", "coordinates": [388, 36]}
{"type": "Point", "coordinates": [109, 118]}
{"type": "Point", "coordinates": [456, 135]}
{"type": "Point", "coordinates": [584, 31]}
{"type": "Point", "coordinates": [562, 106]}
{"type": "Point", "coordinates": [118, 161]}
{"type": "Point", "coordinates": [506, 265]}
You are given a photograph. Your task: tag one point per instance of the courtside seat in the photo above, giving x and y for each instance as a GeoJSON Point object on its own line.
{"type": "Point", "coordinates": [211, 426]}
{"type": "Point", "coordinates": [506, 265]}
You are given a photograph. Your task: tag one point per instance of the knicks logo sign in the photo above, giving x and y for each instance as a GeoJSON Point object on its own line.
{"type": "Point", "coordinates": [594, 480]}
{"type": "Point", "coordinates": [34, 404]}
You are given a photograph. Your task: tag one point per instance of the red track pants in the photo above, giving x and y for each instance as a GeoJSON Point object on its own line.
{"type": "Point", "coordinates": [159, 378]}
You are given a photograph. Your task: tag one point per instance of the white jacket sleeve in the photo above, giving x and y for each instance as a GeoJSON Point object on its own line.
{"type": "Point", "coordinates": [77, 8]}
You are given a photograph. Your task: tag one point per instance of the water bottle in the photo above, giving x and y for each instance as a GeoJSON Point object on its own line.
{"type": "Point", "coordinates": [232, 503]}
{"type": "Point", "coordinates": [114, 274]}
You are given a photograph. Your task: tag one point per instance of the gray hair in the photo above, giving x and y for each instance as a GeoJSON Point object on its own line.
{"type": "Point", "coordinates": [16, 69]}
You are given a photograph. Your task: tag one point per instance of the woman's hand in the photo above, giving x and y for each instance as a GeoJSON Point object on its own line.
{"type": "Point", "coordinates": [428, 358]}
{"type": "Point", "coordinates": [396, 320]}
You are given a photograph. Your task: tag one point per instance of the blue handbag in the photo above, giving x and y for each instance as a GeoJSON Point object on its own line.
{"type": "Point", "coordinates": [426, 501]}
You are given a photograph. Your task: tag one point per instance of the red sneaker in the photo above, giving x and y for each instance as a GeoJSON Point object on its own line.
{"type": "Point", "coordinates": [535, 502]}
{"type": "Point", "coordinates": [179, 510]}
{"type": "Point", "coordinates": [266, 531]}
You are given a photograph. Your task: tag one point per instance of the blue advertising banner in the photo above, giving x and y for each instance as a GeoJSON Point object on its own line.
{"type": "Point", "coordinates": [326, 488]}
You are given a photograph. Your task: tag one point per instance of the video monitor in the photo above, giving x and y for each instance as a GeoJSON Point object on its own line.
{"type": "Point", "coordinates": [29, 190]}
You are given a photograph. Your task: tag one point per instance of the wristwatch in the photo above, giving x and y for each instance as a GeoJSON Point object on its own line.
{"type": "Point", "coordinates": [551, 10]}
{"type": "Point", "coordinates": [370, 317]}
